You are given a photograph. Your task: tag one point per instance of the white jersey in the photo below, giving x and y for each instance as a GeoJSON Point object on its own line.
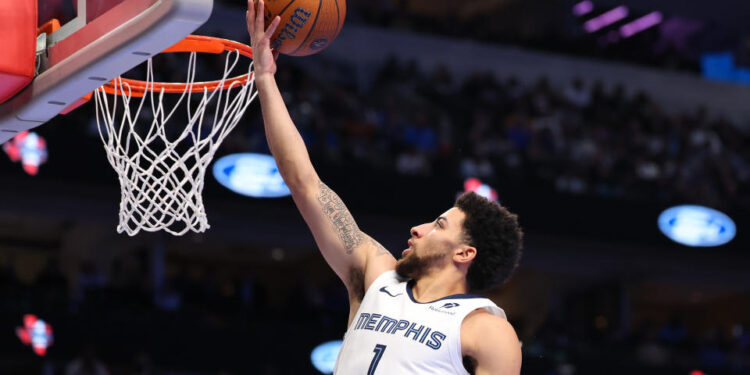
{"type": "Point", "coordinates": [393, 334]}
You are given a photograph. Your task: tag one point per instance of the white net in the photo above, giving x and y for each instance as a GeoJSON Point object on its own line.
{"type": "Point", "coordinates": [161, 166]}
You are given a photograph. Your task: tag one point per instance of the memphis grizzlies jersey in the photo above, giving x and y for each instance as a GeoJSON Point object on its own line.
{"type": "Point", "coordinates": [393, 334]}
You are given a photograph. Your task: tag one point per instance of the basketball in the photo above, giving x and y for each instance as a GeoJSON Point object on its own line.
{"type": "Point", "coordinates": [307, 26]}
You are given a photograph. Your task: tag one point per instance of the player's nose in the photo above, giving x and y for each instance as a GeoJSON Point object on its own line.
{"type": "Point", "coordinates": [415, 232]}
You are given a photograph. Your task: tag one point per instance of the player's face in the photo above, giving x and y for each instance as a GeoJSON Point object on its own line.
{"type": "Point", "coordinates": [431, 244]}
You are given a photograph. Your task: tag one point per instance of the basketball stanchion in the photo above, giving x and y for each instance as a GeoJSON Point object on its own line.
{"type": "Point", "coordinates": [162, 175]}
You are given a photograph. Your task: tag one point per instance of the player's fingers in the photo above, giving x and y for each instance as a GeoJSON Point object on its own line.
{"type": "Point", "coordinates": [259, 15]}
{"type": "Point", "coordinates": [253, 21]}
{"type": "Point", "coordinates": [272, 27]}
{"type": "Point", "coordinates": [250, 17]}
{"type": "Point", "coordinates": [250, 14]}
{"type": "Point", "coordinates": [249, 25]}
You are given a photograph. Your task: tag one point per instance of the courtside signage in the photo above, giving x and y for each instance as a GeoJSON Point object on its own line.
{"type": "Point", "coordinates": [252, 175]}
{"type": "Point", "coordinates": [698, 226]}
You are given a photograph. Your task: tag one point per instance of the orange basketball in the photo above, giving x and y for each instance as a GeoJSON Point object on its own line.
{"type": "Point", "coordinates": [307, 26]}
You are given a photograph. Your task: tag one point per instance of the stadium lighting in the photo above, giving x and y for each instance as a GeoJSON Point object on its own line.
{"type": "Point", "coordinates": [324, 356]}
{"type": "Point", "coordinates": [697, 226]}
{"type": "Point", "coordinates": [30, 149]}
{"type": "Point", "coordinates": [650, 20]}
{"type": "Point", "coordinates": [606, 19]}
{"type": "Point", "coordinates": [477, 186]}
{"type": "Point", "coordinates": [583, 8]}
{"type": "Point", "coordinates": [252, 175]}
{"type": "Point", "coordinates": [36, 333]}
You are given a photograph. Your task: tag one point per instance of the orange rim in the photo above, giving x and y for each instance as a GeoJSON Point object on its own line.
{"type": "Point", "coordinates": [191, 43]}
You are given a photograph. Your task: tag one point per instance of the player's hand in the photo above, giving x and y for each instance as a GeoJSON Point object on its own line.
{"type": "Point", "coordinates": [264, 61]}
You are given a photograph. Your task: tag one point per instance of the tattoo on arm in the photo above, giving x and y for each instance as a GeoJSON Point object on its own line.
{"type": "Point", "coordinates": [342, 220]}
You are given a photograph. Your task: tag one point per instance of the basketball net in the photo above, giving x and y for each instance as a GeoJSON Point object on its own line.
{"type": "Point", "coordinates": [161, 168]}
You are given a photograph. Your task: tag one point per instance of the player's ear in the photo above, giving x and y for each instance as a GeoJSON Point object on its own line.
{"type": "Point", "coordinates": [465, 254]}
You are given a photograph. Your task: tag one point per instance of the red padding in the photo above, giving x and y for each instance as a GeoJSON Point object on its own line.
{"type": "Point", "coordinates": [18, 20]}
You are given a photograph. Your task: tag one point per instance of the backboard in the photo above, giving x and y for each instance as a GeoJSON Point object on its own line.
{"type": "Point", "coordinates": [98, 40]}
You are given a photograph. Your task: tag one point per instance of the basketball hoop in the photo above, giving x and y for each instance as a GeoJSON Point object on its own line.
{"type": "Point", "coordinates": [162, 171]}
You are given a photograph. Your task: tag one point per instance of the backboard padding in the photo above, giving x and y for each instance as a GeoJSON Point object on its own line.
{"type": "Point", "coordinates": [95, 8]}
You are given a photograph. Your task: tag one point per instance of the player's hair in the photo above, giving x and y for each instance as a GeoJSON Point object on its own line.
{"type": "Point", "coordinates": [495, 233]}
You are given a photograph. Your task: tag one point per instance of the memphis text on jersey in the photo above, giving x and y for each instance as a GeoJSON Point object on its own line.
{"type": "Point", "coordinates": [411, 330]}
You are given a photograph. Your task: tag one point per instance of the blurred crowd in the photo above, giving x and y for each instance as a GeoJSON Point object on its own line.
{"type": "Point", "coordinates": [583, 139]}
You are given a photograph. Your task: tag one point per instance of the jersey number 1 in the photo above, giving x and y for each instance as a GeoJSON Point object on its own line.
{"type": "Point", "coordinates": [379, 350]}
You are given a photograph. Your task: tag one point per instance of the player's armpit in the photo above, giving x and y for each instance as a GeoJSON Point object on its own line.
{"type": "Point", "coordinates": [492, 342]}
{"type": "Point", "coordinates": [379, 260]}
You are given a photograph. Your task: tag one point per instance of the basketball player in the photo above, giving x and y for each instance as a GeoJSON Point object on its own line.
{"type": "Point", "coordinates": [410, 316]}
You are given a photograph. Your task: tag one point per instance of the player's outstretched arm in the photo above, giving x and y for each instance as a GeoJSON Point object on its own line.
{"type": "Point", "coordinates": [492, 344]}
{"type": "Point", "coordinates": [355, 257]}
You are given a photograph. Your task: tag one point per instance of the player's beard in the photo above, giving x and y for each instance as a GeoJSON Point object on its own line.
{"type": "Point", "coordinates": [414, 266]}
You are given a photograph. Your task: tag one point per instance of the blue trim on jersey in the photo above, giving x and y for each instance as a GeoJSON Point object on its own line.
{"type": "Point", "coordinates": [411, 283]}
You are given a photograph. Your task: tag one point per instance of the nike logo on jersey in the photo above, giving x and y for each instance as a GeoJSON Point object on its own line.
{"type": "Point", "coordinates": [384, 290]}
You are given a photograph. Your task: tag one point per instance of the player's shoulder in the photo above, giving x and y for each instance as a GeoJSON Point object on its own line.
{"type": "Point", "coordinates": [491, 341]}
{"type": "Point", "coordinates": [480, 325]}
